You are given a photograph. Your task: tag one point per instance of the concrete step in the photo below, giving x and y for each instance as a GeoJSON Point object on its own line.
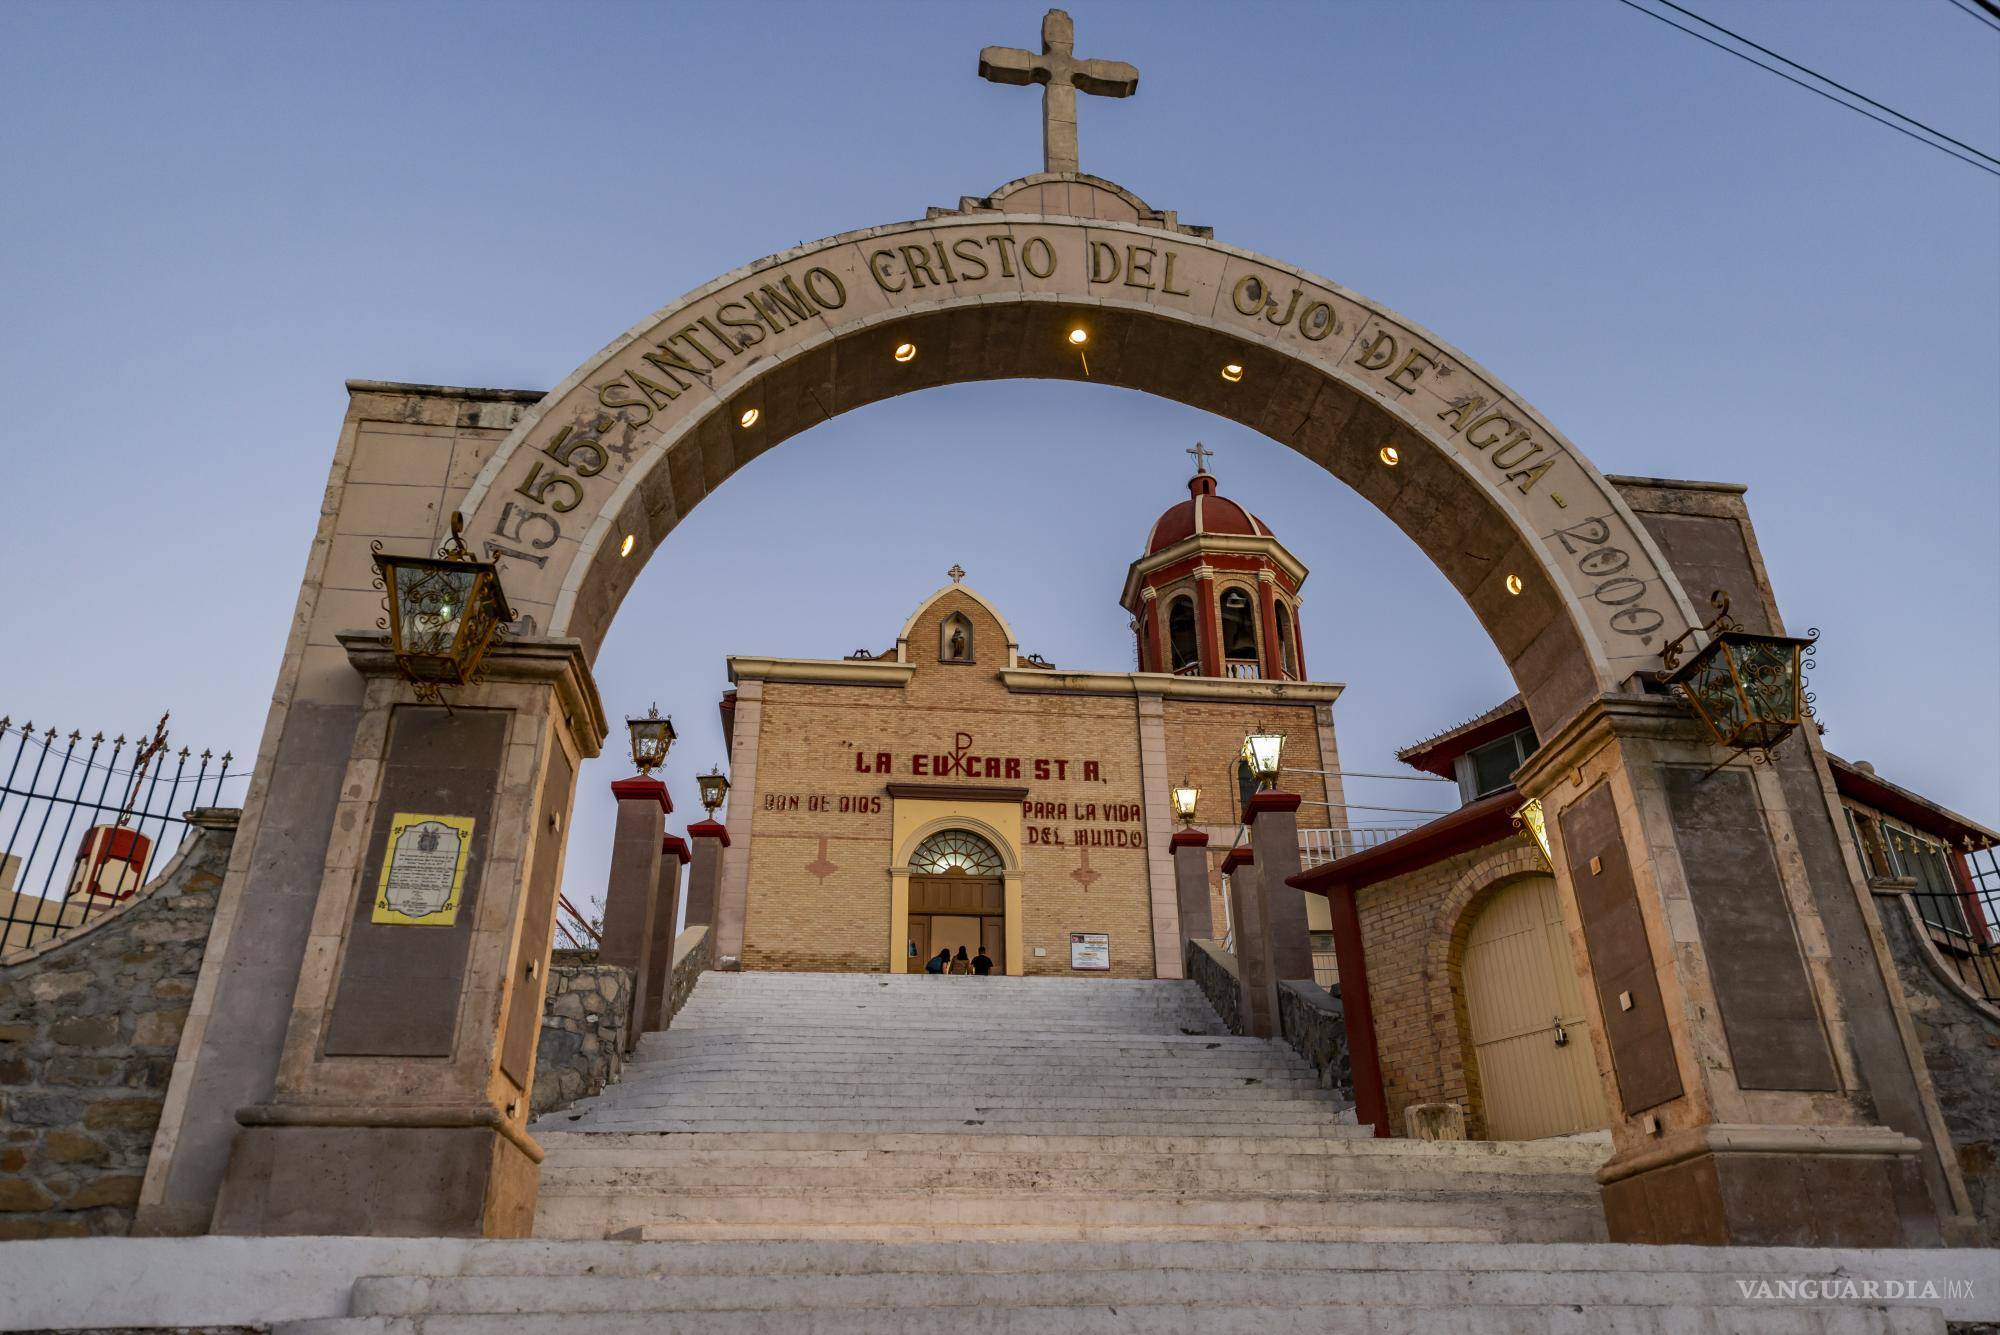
{"type": "Point", "coordinates": [814, 1124]}
{"type": "Point", "coordinates": [1579, 1154]}
{"type": "Point", "coordinates": [1387, 1289]}
{"type": "Point", "coordinates": [1176, 1319]}
{"type": "Point", "coordinates": [1489, 1217]}
{"type": "Point", "coordinates": [835, 1285]}
{"type": "Point", "coordinates": [741, 1093]}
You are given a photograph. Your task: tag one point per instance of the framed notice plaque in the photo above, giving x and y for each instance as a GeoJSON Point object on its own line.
{"type": "Point", "coordinates": [1090, 951]}
{"type": "Point", "coordinates": [423, 870]}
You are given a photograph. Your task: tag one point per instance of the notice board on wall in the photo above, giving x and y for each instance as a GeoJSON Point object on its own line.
{"type": "Point", "coordinates": [1090, 952]}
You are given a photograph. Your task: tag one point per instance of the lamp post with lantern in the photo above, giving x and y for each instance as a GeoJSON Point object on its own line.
{"type": "Point", "coordinates": [1190, 850]}
{"type": "Point", "coordinates": [633, 902]}
{"type": "Point", "coordinates": [709, 840]}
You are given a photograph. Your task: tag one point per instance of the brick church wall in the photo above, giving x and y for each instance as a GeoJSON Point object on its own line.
{"type": "Point", "coordinates": [1413, 930]}
{"type": "Point", "coordinates": [819, 885]}
{"type": "Point", "coordinates": [89, 1026]}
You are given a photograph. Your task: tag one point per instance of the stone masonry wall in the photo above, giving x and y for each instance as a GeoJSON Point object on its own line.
{"type": "Point", "coordinates": [1316, 1027]}
{"type": "Point", "coordinates": [89, 1026]}
{"type": "Point", "coordinates": [1214, 971]}
{"type": "Point", "coordinates": [694, 953]}
{"type": "Point", "coordinates": [584, 1018]}
{"type": "Point", "coordinates": [1961, 1045]}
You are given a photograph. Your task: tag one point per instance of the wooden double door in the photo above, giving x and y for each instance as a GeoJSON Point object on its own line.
{"type": "Point", "coordinates": [1537, 1072]}
{"type": "Point", "coordinates": [950, 911]}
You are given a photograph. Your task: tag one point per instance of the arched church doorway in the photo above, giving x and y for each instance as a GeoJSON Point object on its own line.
{"type": "Point", "coordinates": [958, 898]}
{"type": "Point", "coordinates": [1524, 1008]}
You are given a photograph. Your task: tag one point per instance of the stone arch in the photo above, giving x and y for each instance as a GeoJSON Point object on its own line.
{"type": "Point", "coordinates": [1561, 574]}
{"type": "Point", "coordinates": [1470, 892]}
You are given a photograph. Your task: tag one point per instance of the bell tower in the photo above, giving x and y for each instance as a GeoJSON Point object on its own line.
{"type": "Point", "coordinates": [1216, 594]}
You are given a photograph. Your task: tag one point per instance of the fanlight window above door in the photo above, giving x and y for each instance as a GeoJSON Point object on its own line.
{"type": "Point", "coordinates": [959, 851]}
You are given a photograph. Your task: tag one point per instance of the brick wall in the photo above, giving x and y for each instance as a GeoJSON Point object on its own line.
{"type": "Point", "coordinates": [819, 878]}
{"type": "Point", "coordinates": [1413, 929]}
{"type": "Point", "coordinates": [89, 1026]}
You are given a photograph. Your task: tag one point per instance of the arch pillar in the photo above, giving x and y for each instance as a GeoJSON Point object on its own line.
{"type": "Point", "coordinates": [1739, 1113]}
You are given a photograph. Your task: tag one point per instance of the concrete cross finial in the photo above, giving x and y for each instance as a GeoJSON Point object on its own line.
{"type": "Point", "coordinates": [1201, 457]}
{"type": "Point", "coordinates": [956, 573]}
{"type": "Point", "coordinates": [1061, 75]}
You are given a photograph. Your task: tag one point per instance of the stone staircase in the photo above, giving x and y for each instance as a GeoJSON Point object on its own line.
{"type": "Point", "coordinates": [840, 1154]}
{"type": "Point", "coordinates": [915, 1108]}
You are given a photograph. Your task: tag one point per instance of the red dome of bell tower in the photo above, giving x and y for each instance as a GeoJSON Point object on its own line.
{"type": "Point", "coordinates": [1216, 594]}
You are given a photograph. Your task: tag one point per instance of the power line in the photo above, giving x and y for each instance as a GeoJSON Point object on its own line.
{"type": "Point", "coordinates": [1859, 111]}
{"type": "Point", "coordinates": [1835, 82]}
{"type": "Point", "coordinates": [1364, 774]}
{"type": "Point", "coordinates": [1977, 17]}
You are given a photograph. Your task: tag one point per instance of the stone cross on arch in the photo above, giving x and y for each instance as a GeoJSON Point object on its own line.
{"type": "Point", "coordinates": [1061, 74]}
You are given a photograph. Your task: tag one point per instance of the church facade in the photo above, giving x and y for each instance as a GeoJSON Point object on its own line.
{"type": "Point", "coordinates": [953, 790]}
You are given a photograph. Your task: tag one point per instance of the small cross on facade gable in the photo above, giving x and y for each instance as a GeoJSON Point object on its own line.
{"type": "Point", "coordinates": [1061, 75]}
{"type": "Point", "coordinates": [956, 573]}
{"type": "Point", "coordinates": [1201, 457]}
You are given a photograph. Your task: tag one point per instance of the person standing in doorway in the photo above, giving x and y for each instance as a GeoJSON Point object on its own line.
{"type": "Point", "coordinates": [982, 963]}
{"type": "Point", "coordinates": [960, 963]}
{"type": "Point", "coordinates": [939, 962]}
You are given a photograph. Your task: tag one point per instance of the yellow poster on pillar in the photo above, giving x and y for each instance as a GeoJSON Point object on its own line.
{"type": "Point", "coordinates": [423, 870]}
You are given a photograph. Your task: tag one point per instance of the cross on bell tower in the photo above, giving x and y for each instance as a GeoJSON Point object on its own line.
{"type": "Point", "coordinates": [1201, 457]}
{"type": "Point", "coordinates": [1061, 75]}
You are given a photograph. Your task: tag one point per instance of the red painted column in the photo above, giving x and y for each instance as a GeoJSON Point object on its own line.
{"type": "Point", "coordinates": [660, 954]}
{"type": "Point", "coordinates": [709, 838]}
{"type": "Point", "coordinates": [1272, 655]}
{"type": "Point", "coordinates": [1256, 986]}
{"type": "Point", "coordinates": [1273, 819]}
{"type": "Point", "coordinates": [1208, 621]}
{"type": "Point", "coordinates": [1358, 1011]}
{"type": "Point", "coordinates": [1190, 849]}
{"type": "Point", "coordinates": [631, 892]}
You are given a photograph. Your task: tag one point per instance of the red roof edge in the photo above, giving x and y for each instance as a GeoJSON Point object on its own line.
{"type": "Point", "coordinates": [1434, 755]}
{"type": "Point", "coordinates": [1873, 790]}
{"type": "Point", "coordinates": [1471, 826]}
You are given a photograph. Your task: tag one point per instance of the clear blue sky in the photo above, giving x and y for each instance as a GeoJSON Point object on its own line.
{"type": "Point", "coordinates": [211, 215]}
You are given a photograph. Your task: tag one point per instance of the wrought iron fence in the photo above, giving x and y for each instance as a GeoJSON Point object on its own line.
{"type": "Point", "coordinates": [85, 820]}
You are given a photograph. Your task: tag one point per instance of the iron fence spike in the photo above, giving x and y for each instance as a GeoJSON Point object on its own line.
{"type": "Point", "coordinates": [97, 738]}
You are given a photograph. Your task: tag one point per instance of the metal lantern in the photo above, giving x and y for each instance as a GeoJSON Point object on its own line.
{"type": "Point", "coordinates": [442, 612]}
{"type": "Point", "coordinates": [1747, 689]}
{"type": "Point", "coordinates": [652, 737]}
{"type": "Point", "coordinates": [1260, 753]}
{"type": "Point", "coordinates": [1530, 817]}
{"type": "Point", "coordinates": [1185, 798]}
{"type": "Point", "coordinates": [714, 787]}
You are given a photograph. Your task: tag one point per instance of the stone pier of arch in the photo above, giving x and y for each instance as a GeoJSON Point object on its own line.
{"type": "Point", "coordinates": [302, 1102]}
